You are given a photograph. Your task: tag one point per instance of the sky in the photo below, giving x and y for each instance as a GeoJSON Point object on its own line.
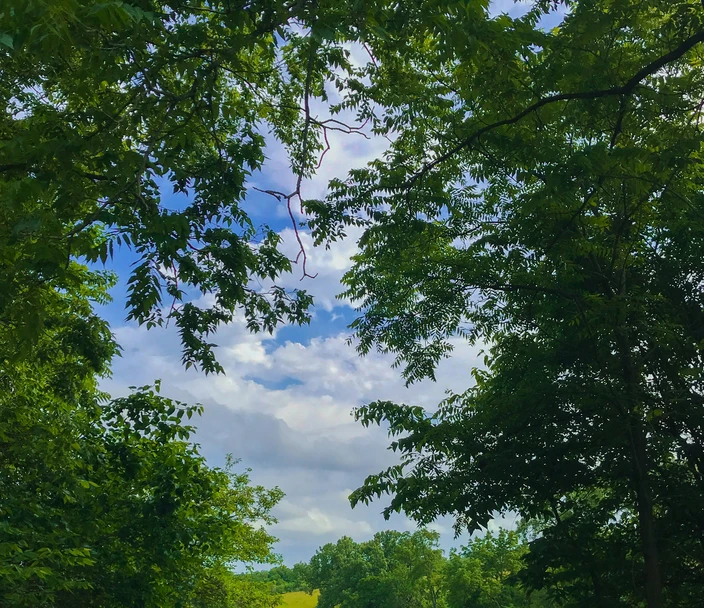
{"type": "Point", "coordinates": [283, 405]}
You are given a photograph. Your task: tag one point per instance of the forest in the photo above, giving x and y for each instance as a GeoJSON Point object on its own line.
{"type": "Point", "coordinates": [536, 194]}
{"type": "Point", "coordinates": [408, 569]}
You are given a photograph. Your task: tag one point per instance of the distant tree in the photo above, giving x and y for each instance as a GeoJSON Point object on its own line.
{"type": "Point", "coordinates": [221, 588]}
{"type": "Point", "coordinates": [394, 569]}
{"type": "Point", "coordinates": [282, 579]}
{"type": "Point", "coordinates": [485, 574]}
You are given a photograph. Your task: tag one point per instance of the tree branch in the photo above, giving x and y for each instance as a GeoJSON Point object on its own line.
{"type": "Point", "coordinates": [625, 89]}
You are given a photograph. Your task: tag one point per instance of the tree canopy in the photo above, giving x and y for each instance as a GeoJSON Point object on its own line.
{"type": "Point", "coordinates": [282, 579]}
{"type": "Point", "coordinates": [107, 107]}
{"type": "Point", "coordinates": [540, 197]}
{"type": "Point", "coordinates": [393, 569]}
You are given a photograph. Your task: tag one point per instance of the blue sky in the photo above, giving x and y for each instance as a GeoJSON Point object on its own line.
{"type": "Point", "coordinates": [284, 403]}
{"type": "Point", "coordinates": [283, 406]}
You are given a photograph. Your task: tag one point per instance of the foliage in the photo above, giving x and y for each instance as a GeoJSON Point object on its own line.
{"type": "Point", "coordinates": [43, 467]}
{"type": "Point", "coordinates": [185, 94]}
{"type": "Point", "coordinates": [393, 569]}
{"type": "Point", "coordinates": [282, 579]}
{"type": "Point", "coordinates": [407, 570]}
{"type": "Point", "coordinates": [484, 574]}
{"type": "Point", "coordinates": [587, 558]}
{"type": "Point", "coordinates": [541, 196]}
{"type": "Point", "coordinates": [123, 511]}
{"type": "Point", "coordinates": [106, 502]}
{"type": "Point", "coordinates": [221, 588]}
{"type": "Point", "coordinates": [108, 107]}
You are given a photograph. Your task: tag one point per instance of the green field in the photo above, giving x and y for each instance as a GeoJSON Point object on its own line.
{"type": "Point", "coordinates": [300, 599]}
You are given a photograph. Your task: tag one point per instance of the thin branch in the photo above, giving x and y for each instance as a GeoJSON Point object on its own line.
{"type": "Point", "coordinates": [325, 151]}
{"type": "Point", "coordinates": [369, 52]}
{"type": "Point", "coordinates": [280, 196]}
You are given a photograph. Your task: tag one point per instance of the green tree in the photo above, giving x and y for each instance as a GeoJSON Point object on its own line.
{"type": "Point", "coordinates": [42, 456]}
{"type": "Point", "coordinates": [393, 569]}
{"type": "Point", "coordinates": [111, 506]}
{"type": "Point", "coordinates": [106, 502]}
{"type": "Point", "coordinates": [486, 573]}
{"type": "Point", "coordinates": [282, 578]}
{"type": "Point", "coordinates": [221, 588]}
{"type": "Point", "coordinates": [541, 196]}
{"type": "Point", "coordinates": [582, 552]}
{"type": "Point", "coordinates": [107, 106]}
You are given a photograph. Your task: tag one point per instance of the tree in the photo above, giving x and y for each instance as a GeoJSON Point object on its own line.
{"type": "Point", "coordinates": [485, 573]}
{"type": "Point", "coordinates": [109, 106]}
{"type": "Point", "coordinates": [393, 569]}
{"type": "Point", "coordinates": [281, 578]}
{"type": "Point", "coordinates": [583, 553]}
{"type": "Point", "coordinates": [121, 511]}
{"type": "Point", "coordinates": [221, 588]}
{"type": "Point", "coordinates": [106, 502]}
{"type": "Point", "coordinates": [541, 196]}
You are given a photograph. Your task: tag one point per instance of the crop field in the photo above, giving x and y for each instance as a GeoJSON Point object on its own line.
{"type": "Point", "coordinates": [300, 599]}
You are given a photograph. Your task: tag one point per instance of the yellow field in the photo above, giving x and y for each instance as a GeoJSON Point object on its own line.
{"type": "Point", "coordinates": [300, 599]}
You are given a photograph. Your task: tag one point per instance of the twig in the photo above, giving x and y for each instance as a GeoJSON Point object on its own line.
{"type": "Point", "coordinates": [369, 52]}
{"type": "Point", "coordinates": [280, 196]}
{"type": "Point", "coordinates": [327, 148]}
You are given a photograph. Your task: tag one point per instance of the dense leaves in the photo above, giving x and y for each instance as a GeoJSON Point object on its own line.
{"type": "Point", "coordinates": [107, 502]}
{"type": "Point", "coordinates": [108, 108]}
{"type": "Point", "coordinates": [541, 197]}
{"type": "Point", "coordinates": [110, 505]}
{"type": "Point", "coordinates": [486, 573]}
{"type": "Point", "coordinates": [393, 569]}
{"type": "Point", "coordinates": [408, 570]}
{"type": "Point", "coordinates": [282, 579]}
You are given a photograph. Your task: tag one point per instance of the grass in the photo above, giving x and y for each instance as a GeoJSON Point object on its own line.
{"type": "Point", "coordinates": [300, 599]}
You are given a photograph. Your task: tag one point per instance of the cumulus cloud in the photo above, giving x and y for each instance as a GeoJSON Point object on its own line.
{"type": "Point", "coordinates": [283, 407]}
{"type": "Point", "coordinates": [326, 265]}
{"type": "Point", "coordinates": [284, 404]}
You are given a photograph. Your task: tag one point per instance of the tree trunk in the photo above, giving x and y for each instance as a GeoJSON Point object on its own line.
{"type": "Point", "coordinates": [646, 521]}
{"type": "Point", "coordinates": [639, 462]}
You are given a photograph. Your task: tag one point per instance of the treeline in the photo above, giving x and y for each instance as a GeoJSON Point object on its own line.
{"type": "Point", "coordinates": [533, 566]}
{"type": "Point", "coordinates": [282, 579]}
{"type": "Point", "coordinates": [409, 570]}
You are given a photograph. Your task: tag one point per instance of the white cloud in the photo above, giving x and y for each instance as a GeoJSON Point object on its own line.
{"type": "Point", "coordinates": [326, 265]}
{"type": "Point", "coordinates": [315, 522]}
{"type": "Point", "coordinates": [284, 408]}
